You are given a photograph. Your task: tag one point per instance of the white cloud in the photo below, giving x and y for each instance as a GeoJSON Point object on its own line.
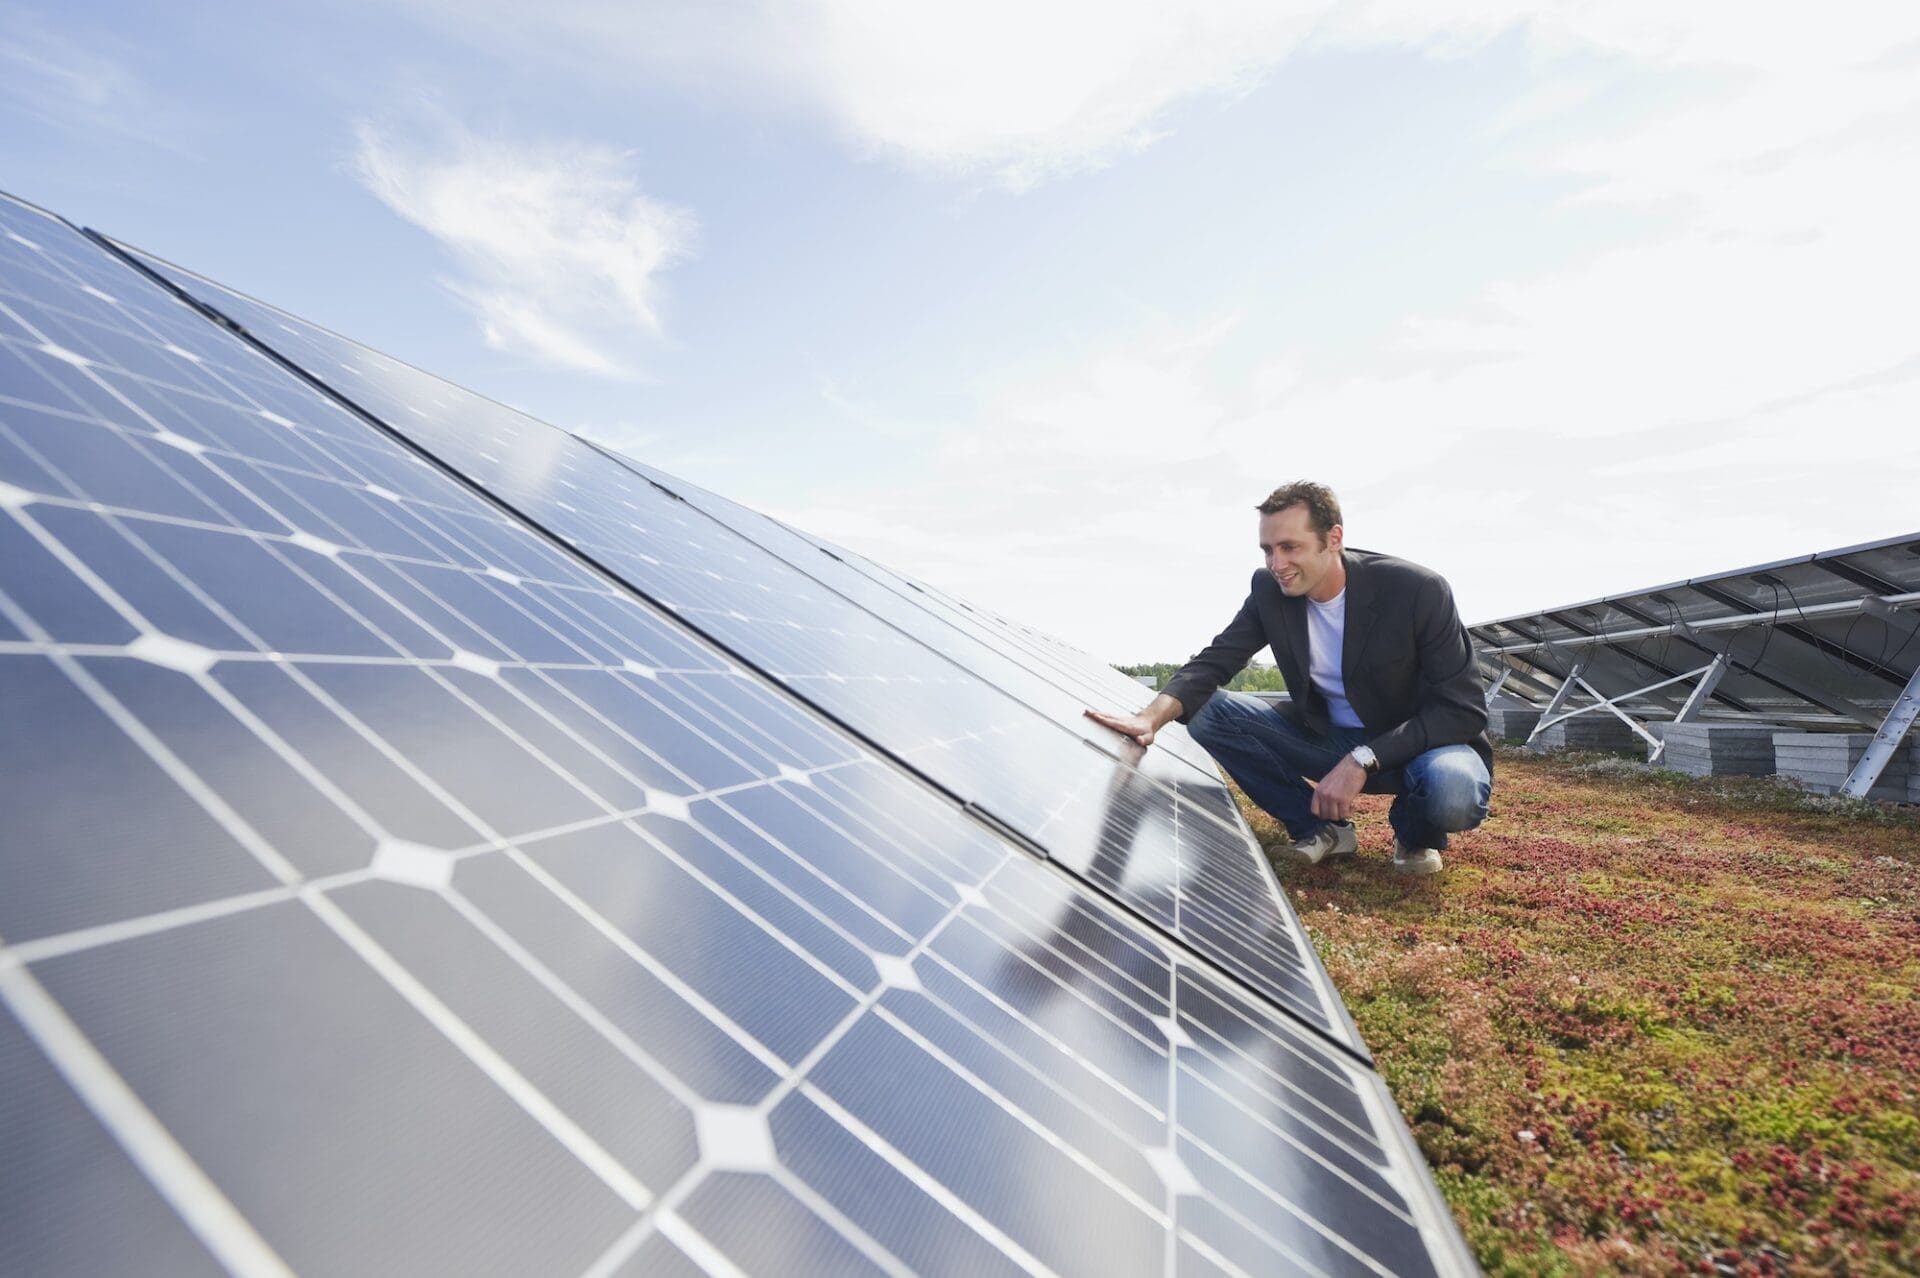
{"type": "Point", "coordinates": [1740, 383]}
{"type": "Point", "coordinates": [560, 251]}
{"type": "Point", "coordinates": [1010, 90]}
{"type": "Point", "coordinates": [1020, 91]}
{"type": "Point", "coordinates": [1024, 91]}
{"type": "Point", "coordinates": [1750, 325]}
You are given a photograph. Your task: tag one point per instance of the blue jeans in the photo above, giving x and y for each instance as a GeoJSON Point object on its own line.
{"type": "Point", "coordinates": [1443, 791]}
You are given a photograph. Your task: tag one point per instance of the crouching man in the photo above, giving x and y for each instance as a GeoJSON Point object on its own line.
{"type": "Point", "coordinates": [1385, 695]}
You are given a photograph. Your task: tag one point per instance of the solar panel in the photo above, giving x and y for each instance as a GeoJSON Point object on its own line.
{"type": "Point", "coordinates": [390, 888]}
{"type": "Point", "coordinates": [1077, 679]}
{"type": "Point", "coordinates": [1071, 667]}
{"type": "Point", "coordinates": [1175, 852]}
{"type": "Point", "coordinates": [1194, 779]}
{"type": "Point", "coordinates": [1827, 641]}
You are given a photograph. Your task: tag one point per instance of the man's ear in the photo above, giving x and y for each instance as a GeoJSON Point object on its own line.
{"type": "Point", "coordinates": [1336, 537]}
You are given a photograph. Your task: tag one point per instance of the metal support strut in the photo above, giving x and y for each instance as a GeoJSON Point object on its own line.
{"type": "Point", "coordinates": [1506, 673]}
{"type": "Point", "coordinates": [1880, 750]}
{"type": "Point", "coordinates": [1560, 695]}
{"type": "Point", "coordinates": [1709, 680]}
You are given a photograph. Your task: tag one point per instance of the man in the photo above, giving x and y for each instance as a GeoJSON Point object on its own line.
{"type": "Point", "coordinates": [1385, 695]}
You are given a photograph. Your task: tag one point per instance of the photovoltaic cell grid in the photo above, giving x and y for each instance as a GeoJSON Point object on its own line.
{"type": "Point", "coordinates": [1072, 668]}
{"type": "Point", "coordinates": [1044, 673]}
{"type": "Point", "coordinates": [1083, 679]}
{"type": "Point", "coordinates": [1147, 828]}
{"type": "Point", "coordinates": [1829, 639]}
{"type": "Point", "coordinates": [389, 890]}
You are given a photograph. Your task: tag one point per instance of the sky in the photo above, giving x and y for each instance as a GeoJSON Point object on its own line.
{"type": "Point", "coordinates": [1036, 301]}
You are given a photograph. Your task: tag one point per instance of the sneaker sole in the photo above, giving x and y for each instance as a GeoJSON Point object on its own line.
{"type": "Point", "coordinates": [1341, 848]}
{"type": "Point", "coordinates": [1303, 859]}
{"type": "Point", "coordinates": [1419, 866]}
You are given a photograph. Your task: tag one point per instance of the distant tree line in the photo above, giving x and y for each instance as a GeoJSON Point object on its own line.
{"type": "Point", "coordinates": [1255, 678]}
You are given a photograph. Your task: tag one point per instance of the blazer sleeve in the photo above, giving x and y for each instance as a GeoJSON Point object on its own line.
{"type": "Point", "coordinates": [1451, 708]}
{"type": "Point", "coordinates": [1218, 662]}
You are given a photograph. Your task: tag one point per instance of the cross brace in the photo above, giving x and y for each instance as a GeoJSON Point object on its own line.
{"type": "Point", "coordinates": [1709, 675]}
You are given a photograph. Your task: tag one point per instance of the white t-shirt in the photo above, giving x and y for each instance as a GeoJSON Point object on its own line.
{"type": "Point", "coordinates": [1326, 627]}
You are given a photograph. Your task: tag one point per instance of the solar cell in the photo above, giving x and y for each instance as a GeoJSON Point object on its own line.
{"type": "Point", "coordinates": [389, 889]}
{"type": "Point", "coordinates": [1155, 832]}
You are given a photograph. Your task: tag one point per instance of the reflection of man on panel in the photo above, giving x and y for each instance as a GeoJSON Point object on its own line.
{"type": "Point", "coordinates": [1385, 694]}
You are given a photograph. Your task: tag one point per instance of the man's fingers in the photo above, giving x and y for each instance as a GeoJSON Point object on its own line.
{"type": "Point", "coordinates": [1327, 805]}
{"type": "Point", "coordinates": [1127, 726]}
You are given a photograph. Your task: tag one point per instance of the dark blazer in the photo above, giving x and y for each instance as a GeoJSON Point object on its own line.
{"type": "Point", "coordinates": [1406, 659]}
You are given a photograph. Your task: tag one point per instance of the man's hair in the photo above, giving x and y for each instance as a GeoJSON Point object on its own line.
{"type": "Point", "coordinates": [1323, 508]}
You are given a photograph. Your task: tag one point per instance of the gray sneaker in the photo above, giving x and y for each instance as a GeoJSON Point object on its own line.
{"type": "Point", "coordinates": [1335, 838]}
{"type": "Point", "coordinates": [1415, 860]}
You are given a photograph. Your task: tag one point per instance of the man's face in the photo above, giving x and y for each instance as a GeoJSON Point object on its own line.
{"type": "Point", "coordinates": [1299, 560]}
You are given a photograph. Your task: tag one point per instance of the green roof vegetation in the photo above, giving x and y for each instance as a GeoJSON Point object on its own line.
{"type": "Point", "coordinates": [1645, 1024]}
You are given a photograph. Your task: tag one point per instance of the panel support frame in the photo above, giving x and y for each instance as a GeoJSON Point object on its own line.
{"type": "Point", "coordinates": [1559, 698]}
{"type": "Point", "coordinates": [1708, 675]}
{"type": "Point", "coordinates": [1709, 680]}
{"type": "Point", "coordinates": [1879, 752]}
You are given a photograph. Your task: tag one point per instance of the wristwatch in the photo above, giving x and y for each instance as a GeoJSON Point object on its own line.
{"type": "Point", "coordinates": [1366, 758]}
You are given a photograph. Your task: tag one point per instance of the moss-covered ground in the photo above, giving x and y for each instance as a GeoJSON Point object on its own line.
{"type": "Point", "coordinates": [1646, 1024]}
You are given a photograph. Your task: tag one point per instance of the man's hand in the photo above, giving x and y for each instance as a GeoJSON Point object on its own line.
{"type": "Point", "coordinates": [1141, 727]}
{"type": "Point", "coordinates": [1136, 726]}
{"type": "Point", "coordinates": [1334, 794]}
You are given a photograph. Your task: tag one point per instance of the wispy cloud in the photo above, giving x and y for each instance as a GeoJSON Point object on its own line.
{"type": "Point", "coordinates": [559, 249]}
{"type": "Point", "coordinates": [85, 86]}
{"type": "Point", "coordinates": [1006, 90]}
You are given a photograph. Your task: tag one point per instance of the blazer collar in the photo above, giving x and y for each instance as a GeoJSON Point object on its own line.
{"type": "Point", "coordinates": [1360, 598]}
{"type": "Point", "coordinates": [1360, 605]}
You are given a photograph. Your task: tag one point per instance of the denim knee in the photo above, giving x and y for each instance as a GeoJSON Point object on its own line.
{"type": "Point", "coordinates": [1209, 725]}
{"type": "Point", "coordinates": [1454, 792]}
{"type": "Point", "coordinates": [1456, 811]}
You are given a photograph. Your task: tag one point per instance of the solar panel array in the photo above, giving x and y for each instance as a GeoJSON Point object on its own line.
{"type": "Point", "coordinates": [434, 844]}
{"type": "Point", "coordinates": [1824, 641]}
